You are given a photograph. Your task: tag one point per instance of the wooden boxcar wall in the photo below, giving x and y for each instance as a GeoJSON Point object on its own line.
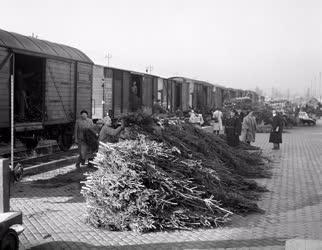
{"type": "Point", "coordinates": [108, 91]}
{"type": "Point", "coordinates": [166, 94]}
{"type": "Point", "coordinates": [117, 92]}
{"type": "Point", "coordinates": [185, 96]}
{"type": "Point", "coordinates": [97, 92]}
{"type": "Point", "coordinates": [4, 88]}
{"type": "Point", "coordinates": [60, 92]}
{"type": "Point", "coordinates": [126, 92]}
{"type": "Point", "coordinates": [155, 90]}
{"type": "Point", "coordinates": [84, 88]}
{"type": "Point", "coordinates": [147, 93]}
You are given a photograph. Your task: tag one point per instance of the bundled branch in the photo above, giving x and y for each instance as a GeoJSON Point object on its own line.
{"type": "Point", "coordinates": [170, 175]}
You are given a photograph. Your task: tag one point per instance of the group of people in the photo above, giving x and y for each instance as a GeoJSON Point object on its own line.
{"type": "Point", "coordinates": [88, 135]}
{"type": "Point", "coordinates": [239, 127]}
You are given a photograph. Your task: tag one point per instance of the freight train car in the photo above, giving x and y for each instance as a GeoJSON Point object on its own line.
{"type": "Point", "coordinates": [196, 94]}
{"type": "Point", "coordinates": [118, 91]}
{"type": "Point", "coordinates": [52, 84]}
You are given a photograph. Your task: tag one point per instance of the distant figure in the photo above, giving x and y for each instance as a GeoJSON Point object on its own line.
{"type": "Point", "coordinates": [82, 124]}
{"type": "Point", "coordinates": [277, 130]}
{"type": "Point", "coordinates": [249, 127]}
{"type": "Point", "coordinates": [232, 129]}
{"type": "Point", "coordinates": [217, 117]}
{"type": "Point", "coordinates": [196, 119]}
{"type": "Point", "coordinates": [201, 121]}
{"type": "Point", "coordinates": [134, 88]}
{"type": "Point", "coordinates": [134, 98]}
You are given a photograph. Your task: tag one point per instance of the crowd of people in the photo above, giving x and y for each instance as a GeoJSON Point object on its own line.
{"type": "Point", "coordinates": [241, 126]}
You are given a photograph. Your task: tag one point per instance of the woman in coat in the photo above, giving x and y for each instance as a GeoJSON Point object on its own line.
{"type": "Point", "coordinates": [217, 117]}
{"type": "Point", "coordinates": [249, 127]}
{"type": "Point", "coordinates": [277, 130]}
{"type": "Point", "coordinates": [232, 129]}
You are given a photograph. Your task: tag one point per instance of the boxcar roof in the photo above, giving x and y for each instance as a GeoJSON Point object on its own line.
{"type": "Point", "coordinates": [180, 78]}
{"type": "Point", "coordinates": [19, 42]}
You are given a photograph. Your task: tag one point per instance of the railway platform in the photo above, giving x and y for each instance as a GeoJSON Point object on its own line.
{"type": "Point", "coordinates": [54, 210]}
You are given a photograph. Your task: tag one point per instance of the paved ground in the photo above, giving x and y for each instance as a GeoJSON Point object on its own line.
{"type": "Point", "coordinates": [54, 211]}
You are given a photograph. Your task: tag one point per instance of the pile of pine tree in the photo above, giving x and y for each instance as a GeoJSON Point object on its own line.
{"type": "Point", "coordinates": [170, 175]}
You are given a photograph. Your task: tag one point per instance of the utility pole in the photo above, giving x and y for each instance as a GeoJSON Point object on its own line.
{"type": "Point", "coordinates": [108, 57]}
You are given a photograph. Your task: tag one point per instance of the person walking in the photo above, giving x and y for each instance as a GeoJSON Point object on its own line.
{"type": "Point", "coordinates": [275, 136]}
{"type": "Point", "coordinates": [217, 117]}
{"type": "Point", "coordinates": [232, 129]}
{"type": "Point", "coordinates": [82, 124]}
{"type": "Point", "coordinates": [249, 127]}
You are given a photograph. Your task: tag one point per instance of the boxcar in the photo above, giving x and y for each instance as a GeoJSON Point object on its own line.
{"type": "Point", "coordinates": [52, 84]}
{"type": "Point", "coordinates": [118, 91]}
{"type": "Point", "coordinates": [195, 94]}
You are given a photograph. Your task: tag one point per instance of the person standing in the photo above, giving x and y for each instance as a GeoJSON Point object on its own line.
{"type": "Point", "coordinates": [217, 117]}
{"type": "Point", "coordinates": [134, 98]}
{"type": "Point", "coordinates": [249, 127]}
{"type": "Point", "coordinates": [82, 124]}
{"type": "Point", "coordinates": [232, 129]}
{"type": "Point", "coordinates": [275, 136]}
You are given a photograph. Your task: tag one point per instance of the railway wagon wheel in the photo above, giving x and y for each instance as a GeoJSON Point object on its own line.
{"type": "Point", "coordinates": [10, 241]}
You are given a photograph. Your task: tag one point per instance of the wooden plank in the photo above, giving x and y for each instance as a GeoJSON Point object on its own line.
{"type": "Point", "coordinates": [59, 89]}
{"type": "Point", "coordinates": [108, 94]}
{"type": "Point", "coordinates": [97, 92]}
{"type": "Point", "coordinates": [147, 92]}
{"type": "Point", "coordinates": [117, 96]}
{"type": "Point", "coordinates": [126, 91]}
{"type": "Point", "coordinates": [84, 88]}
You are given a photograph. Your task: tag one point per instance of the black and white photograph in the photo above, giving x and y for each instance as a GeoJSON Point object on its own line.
{"type": "Point", "coordinates": [161, 125]}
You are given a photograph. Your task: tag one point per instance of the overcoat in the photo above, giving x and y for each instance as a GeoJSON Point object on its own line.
{"type": "Point", "coordinates": [249, 127]}
{"type": "Point", "coordinates": [232, 130]}
{"type": "Point", "coordinates": [277, 129]}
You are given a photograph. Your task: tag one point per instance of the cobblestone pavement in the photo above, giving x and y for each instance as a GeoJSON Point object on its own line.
{"type": "Point", "coordinates": [54, 210]}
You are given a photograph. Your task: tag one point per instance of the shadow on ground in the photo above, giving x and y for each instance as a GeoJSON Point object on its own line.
{"type": "Point", "coordinates": [65, 185]}
{"type": "Point", "coordinates": [265, 242]}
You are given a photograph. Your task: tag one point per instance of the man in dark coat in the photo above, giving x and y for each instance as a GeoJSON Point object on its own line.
{"type": "Point", "coordinates": [82, 124]}
{"type": "Point", "coordinates": [232, 129]}
{"type": "Point", "coordinates": [277, 130]}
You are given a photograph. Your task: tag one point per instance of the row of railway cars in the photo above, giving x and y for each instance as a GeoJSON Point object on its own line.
{"type": "Point", "coordinates": [54, 82]}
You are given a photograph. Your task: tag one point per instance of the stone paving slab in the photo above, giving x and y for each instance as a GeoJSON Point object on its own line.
{"type": "Point", "coordinates": [54, 211]}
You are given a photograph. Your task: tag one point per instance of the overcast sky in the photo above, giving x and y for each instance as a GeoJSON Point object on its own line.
{"type": "Point", "coordinates": [237, 43]}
